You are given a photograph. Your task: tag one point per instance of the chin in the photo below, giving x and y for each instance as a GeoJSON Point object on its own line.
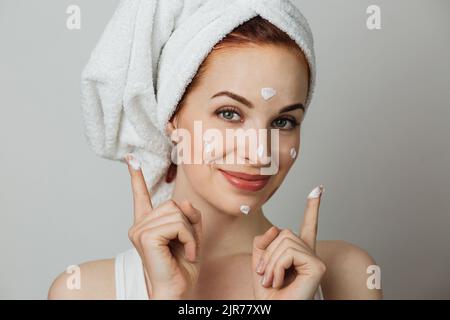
{"type": "Point", "coordinates": [228, 189]}
{"type": "Point", "coordinates": [232, 192]}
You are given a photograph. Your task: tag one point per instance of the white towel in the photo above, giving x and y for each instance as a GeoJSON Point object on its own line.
{"type": "Point", "coordinates": [145, 59]}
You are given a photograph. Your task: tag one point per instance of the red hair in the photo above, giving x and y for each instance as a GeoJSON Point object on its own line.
{"type": "Point", "coordinates": [256, 31]}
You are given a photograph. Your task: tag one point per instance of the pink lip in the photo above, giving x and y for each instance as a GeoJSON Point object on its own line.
{"type": "Point", "coordinates": [243, 181]}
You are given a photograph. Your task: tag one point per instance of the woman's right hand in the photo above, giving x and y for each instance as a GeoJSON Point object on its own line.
{"type": "Point", "coordinates": [159, 235]}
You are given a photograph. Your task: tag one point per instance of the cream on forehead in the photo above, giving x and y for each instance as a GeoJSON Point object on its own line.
{"type": "Point", "coordinates": [268, 93]}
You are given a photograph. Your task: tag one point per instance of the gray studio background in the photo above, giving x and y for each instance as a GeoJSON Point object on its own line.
{"type": "Point", "coordinates": [377, 136]}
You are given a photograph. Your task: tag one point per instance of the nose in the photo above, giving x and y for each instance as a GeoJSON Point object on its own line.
{"type": "Point", "coordinates": [258, 148]}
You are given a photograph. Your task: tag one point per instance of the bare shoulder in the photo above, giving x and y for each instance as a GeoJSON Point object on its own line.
{"type": "Point", "coordinates": [93, 280]}
{"type": "Point", "coordinates": [346, 276]}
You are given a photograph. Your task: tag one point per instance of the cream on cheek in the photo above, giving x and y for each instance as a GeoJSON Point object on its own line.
{"type": "Point", "coordinates": [287, 154]}
{"type": "Point", "coordinates": [293, 153]}
{"type": "Point", "coordinates": [208, 147]}
{"type": "Point", "coordinates": [215, 148]}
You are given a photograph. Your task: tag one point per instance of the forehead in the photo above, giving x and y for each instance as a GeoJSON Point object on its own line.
{"type": "Point", "coordinates": [246, 70]}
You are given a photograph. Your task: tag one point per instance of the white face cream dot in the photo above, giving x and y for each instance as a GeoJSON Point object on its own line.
{"type": "Point", "coordinates": [293, 153]}
{"type": "Point", "coordinates": [245, 209]}
{"type": "Point", "coordinates": [208, 147]}
{"type": "Point", "coordinates": [134, 161]}
{"type": "Point", "coordinates": [260, 150]}
{"type": "Point", "coordinates": [268, 93]}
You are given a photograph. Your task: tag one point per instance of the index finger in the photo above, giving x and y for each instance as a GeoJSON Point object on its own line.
{"type": "Point", "coordinates": [308, 232]}
{"type": "Point", "coordinates": [141, 197]}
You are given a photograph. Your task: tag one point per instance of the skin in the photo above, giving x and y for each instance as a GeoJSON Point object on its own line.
{"type": "Point", "coordinates": [203, 223]}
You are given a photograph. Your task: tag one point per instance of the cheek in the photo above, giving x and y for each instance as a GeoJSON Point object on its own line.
{"type": "Point", "coordinates": [196, 172]}
{"type": "Point", "coordinates": [214, 144]}
{"type": "Point", "coordinates": [288, 152]}
{"type": "Point", "coordinates": [201, 178]}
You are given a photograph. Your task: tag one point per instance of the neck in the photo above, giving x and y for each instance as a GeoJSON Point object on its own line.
{"type": "Point", "coordinates": [223, 234]}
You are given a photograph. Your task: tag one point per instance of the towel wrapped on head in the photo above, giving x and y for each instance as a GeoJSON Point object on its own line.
{"type": "Point", "coordinates": [145, 59]}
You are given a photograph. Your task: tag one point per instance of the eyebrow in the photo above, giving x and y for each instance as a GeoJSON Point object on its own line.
{"type": "Point", "coordinates": [247, 103]}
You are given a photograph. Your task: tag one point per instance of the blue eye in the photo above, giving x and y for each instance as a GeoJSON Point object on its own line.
{"type": "Point", "coordinates": [229, 114]}
{"type": "Point", "coordinates": [285, 123]}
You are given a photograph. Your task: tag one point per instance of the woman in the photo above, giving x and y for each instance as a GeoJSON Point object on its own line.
{"type": "Point", "coordinates": [211, 240]}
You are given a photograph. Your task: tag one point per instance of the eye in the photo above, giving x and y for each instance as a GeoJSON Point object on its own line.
{"type": "Point", "coordinates": [286, 123]}
{"type": "Point", "coordinates": [229, 114]}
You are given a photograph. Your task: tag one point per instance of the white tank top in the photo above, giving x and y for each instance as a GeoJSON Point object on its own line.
{"type": "Point", "coordinates": [130, 280]}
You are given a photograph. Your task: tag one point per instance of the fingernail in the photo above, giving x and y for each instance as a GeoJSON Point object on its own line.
{"type": "Point", "coordinates": [260, 265]}
{"type": "Point", "coordinates": [264, 279]}
{"type": "Point", "coordinates": [270, 230]}
{"type": "Point", "coordinates": [316, 192]}
{"type": "Point", "coordinates": [133, 161]}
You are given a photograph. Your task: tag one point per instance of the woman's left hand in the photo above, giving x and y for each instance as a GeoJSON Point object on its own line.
{"type": "Point", "coordinates": [290, 268]}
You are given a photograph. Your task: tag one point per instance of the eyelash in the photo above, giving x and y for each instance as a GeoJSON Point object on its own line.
{"type": "Point", "coordinates": [292, 120]}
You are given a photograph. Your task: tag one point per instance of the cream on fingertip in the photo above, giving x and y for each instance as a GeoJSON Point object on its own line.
{"type": "Point", "coordinates": [316, 192]}
{"type": "Point", "coordinates": [133, 161]}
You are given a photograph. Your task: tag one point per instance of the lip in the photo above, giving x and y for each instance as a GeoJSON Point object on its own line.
{"type": "Point", "coordinates": [244, 181]}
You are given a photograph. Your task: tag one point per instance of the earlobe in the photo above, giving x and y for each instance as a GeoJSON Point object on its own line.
{"type": "Point", "coordinates": [172, 132]}
{"type": "Point", "coordinates": [170, 128]}
{"type": "Point", "coordinates": [172, 124]}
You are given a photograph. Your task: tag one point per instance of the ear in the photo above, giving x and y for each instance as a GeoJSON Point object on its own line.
{"type": "Point", "coordinates": [171, 125]}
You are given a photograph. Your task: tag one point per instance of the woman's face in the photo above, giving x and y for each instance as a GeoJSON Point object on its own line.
{"type": "Point", "coordinates": [229, 97]}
